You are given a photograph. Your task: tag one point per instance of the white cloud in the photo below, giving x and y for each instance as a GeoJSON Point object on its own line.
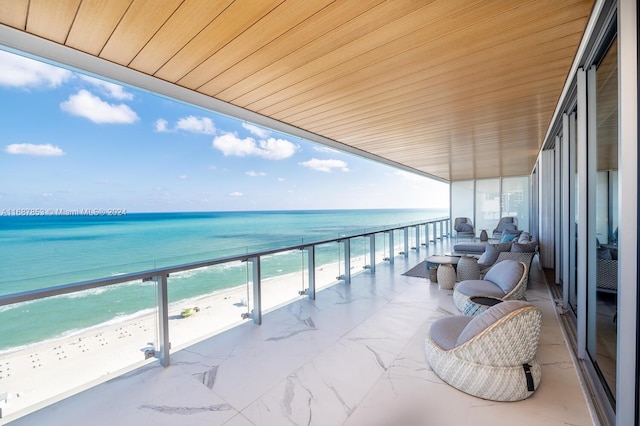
{"type": "Point", "coordinates": [230, 144]}
{"type": "Point", "coordinates": [325, 149]}
{"type": "Point", "coordinates": [326, 166]}
{"type": "Point", "coordinates": [254, 173]}
{"type": "Point", "coordinates": [161, 125]}
{"type": "Point", "coordinates": [183, 177]}
{"type": "Point", "coordinates": [258, 131]}
{"type": "Point", "coordinates": [112, 90]}
{"type": "Point", "coordinates": [45, 150]}
{"type": "Point", "coordinates": [18, 71]}
{"type": "Point", "coordinates": [271, 149]}
{"type": "Point", "coordinates": [277, 149]}
{"type": "Point", "coordinates": [84, 104]}
{"type": "Point", "coordinates": [203, 125]}
{"type": "Point", "coordinates": [47, 194]}
{"type": "Point", "coordinates": [281, 179]}
{"type": "Point", "coordinates": [236, 194]}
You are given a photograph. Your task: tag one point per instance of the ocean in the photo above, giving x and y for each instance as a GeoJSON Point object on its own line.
{"type": "Point", "coordinates": [44, 251]}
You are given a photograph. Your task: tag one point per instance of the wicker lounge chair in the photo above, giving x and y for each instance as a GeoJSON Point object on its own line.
{"type": "Point", "coordinates": [504, 224]}
{"type": "Point", "coordinates": [464, 228]}
{"type": "Point", "coordinates": [506, 280]}
{"type": "Point", "coordinates": [492, 355]}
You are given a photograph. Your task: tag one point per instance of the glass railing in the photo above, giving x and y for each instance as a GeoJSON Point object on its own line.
{"type": "Point", "coordinates": [51, 347]}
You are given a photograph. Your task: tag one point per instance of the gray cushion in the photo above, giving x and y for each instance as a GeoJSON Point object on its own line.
{"type": "Point", "coordinates": [604, 253]}
{"type": "Point", "coordinates": [480, 288]}
{"type": "Point", "coordinates": [445, 331]}
{"type": "Point", "coordinates": [523, 248]}
{"type": "Point", "coordinates": [481, 322]}
{"type": "Point", "coordinates": [471, 247]}
{"type": "Point", "coordinates": [524, 237]}
{"type": "Point", "coordinates": [509, 235]}
{"type": "Point", "coordinates": [465, 227]}
{"type": "Point", "coordinates": [492, 252]}
{"type": "Point", "coordinates": [505, 274]}
{"type": "Point", "coordinates": [459, 223]}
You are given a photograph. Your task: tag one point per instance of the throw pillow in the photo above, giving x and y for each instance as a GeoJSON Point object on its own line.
{"type": "Point", "coordinates": [484, 320]}
{"type": "Point", "coordinates": [523, 248]}
{"type": "Point", "coordinates": [491, 253]}
{"type": "Point", "coordinates": [524, 237]}
{"type": "Point", "coordinates": [465, 227]}
{"type": "Point", "coordinates": [505, 274]}
{"type": "Point", "coordinates": [508, 237]}
{"type": "Point", "coordinates": [604, 253]}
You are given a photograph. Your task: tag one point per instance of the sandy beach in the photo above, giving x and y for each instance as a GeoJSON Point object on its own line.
{"type": "Point", "coordinates": [40, 374]}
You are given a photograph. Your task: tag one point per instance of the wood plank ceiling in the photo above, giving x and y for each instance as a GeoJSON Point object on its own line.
{"type": "Point", "coordinates": [457, 89]}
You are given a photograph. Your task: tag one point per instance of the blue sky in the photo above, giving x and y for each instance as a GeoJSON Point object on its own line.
{"type": "Point", "coordinates": [70, 141]}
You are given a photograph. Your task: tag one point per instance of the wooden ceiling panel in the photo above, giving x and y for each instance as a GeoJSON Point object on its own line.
{"type": "Point", "coordinates": [140, 22]}
{"type": "Point", "coordinates": [457, 89]}
{"type": "Point", "coordinates": [343, 81]}
{"type": "Point", "coordinates": [51, 19]}
{"type": "Point", "coordinates": [233, 21]}
{"type": "Point", "coordinates": [277, 22]}
{"type": "Point", "coordinates": [95, 23]}
{"type": "Point", "coordinates": [190, 19]}
{"type": "Point", "coordinates": [336, 14]}
{"type": "Point", "coordinates": [14, 13]}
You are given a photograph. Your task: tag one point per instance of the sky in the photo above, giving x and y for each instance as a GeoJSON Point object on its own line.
{"type": "Point", "coordinates": [70, 141]}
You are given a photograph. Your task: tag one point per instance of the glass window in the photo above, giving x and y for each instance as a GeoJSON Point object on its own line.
{"type": "Point", "coordinates": [515, 200]}
{"type": "Point", "coordinates": [462, 200]}
{"type": "Point", "coordinates": [487, 204]}
{"type": "Point", "coordinates": [602, 288]}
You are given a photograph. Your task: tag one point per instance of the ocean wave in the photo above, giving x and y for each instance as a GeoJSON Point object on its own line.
{"type": "Point", "coordinates": [189, 272]}
{"type": "Point", "coordinates": [7, 308]}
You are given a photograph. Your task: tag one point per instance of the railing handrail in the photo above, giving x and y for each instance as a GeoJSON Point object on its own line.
{"type": "Point", "coordinates": [30, 295]}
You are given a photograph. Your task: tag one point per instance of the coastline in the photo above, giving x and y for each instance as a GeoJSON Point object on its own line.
{"type": "Point", "coordinates": [38, 373]}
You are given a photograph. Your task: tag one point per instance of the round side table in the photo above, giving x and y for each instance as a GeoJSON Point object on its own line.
{"type": "Point", "coordinates": [478, 304]}
{"type": "Point", "coordinates": [468, 268]}
{"type": "Point", "coordinates": [446, 273]}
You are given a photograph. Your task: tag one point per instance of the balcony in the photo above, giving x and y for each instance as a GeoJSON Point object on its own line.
{"type": "Point", "coordinates": [352, 356]}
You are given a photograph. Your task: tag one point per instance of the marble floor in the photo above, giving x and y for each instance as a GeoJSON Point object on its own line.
{"type": "Point", "coordinates": [354, 356]}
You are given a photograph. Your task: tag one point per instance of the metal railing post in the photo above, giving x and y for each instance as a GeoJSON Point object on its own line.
{"type": "Point", "coordinates": [257, 290]}
{"type": "Point", "coordinates": [391, 255]}
{"type": "Point", "coordinates": [426, 234]}
{"type": "Point", "coordinates": [417, 238]}
{"type": "Point", "coordinates": [372, 253]}
{"type": "Point", "coordinates": [441, 231]}
{"type": "Point", "coordinates": [406, 242]}
{"type": "Point", "coordinates": [164, 346]}
{"type": "Point", "coordinates": [347, 260]}
{"type": "Point", "coordinates": [311, 275]}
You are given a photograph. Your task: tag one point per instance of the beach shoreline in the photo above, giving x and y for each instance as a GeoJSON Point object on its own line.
{"type": "Point", "coordinates": [37, 374]}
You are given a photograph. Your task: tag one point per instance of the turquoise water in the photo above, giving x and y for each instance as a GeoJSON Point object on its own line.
{"type": "Point", "coordinates": [44, 251]}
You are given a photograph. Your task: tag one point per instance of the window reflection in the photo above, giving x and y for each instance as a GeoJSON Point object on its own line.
{"type": "Point", "coordinates": [605, 283]}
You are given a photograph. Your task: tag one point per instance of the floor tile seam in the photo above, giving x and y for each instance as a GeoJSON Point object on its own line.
{"type": "Point", "coordinates": [294, 371]}
{"type": "Point", "coordinates": [337, 338]}
{"type": "Point", "coordinates": [328, 347]}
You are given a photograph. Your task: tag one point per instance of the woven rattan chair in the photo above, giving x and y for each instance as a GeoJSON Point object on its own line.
{"type": "Point", "coordinates": [506, 280]}
{"type": "Point", "coordinates": [607, 275]}
{"type": "Point", "coordinates": [505, 223]}
{"type": "Point", "coordinates": [525, 258]}
{"type": "Point", "coordinates": [492, 355]}
{"type": "Point", "coordinates": [464, 228]}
